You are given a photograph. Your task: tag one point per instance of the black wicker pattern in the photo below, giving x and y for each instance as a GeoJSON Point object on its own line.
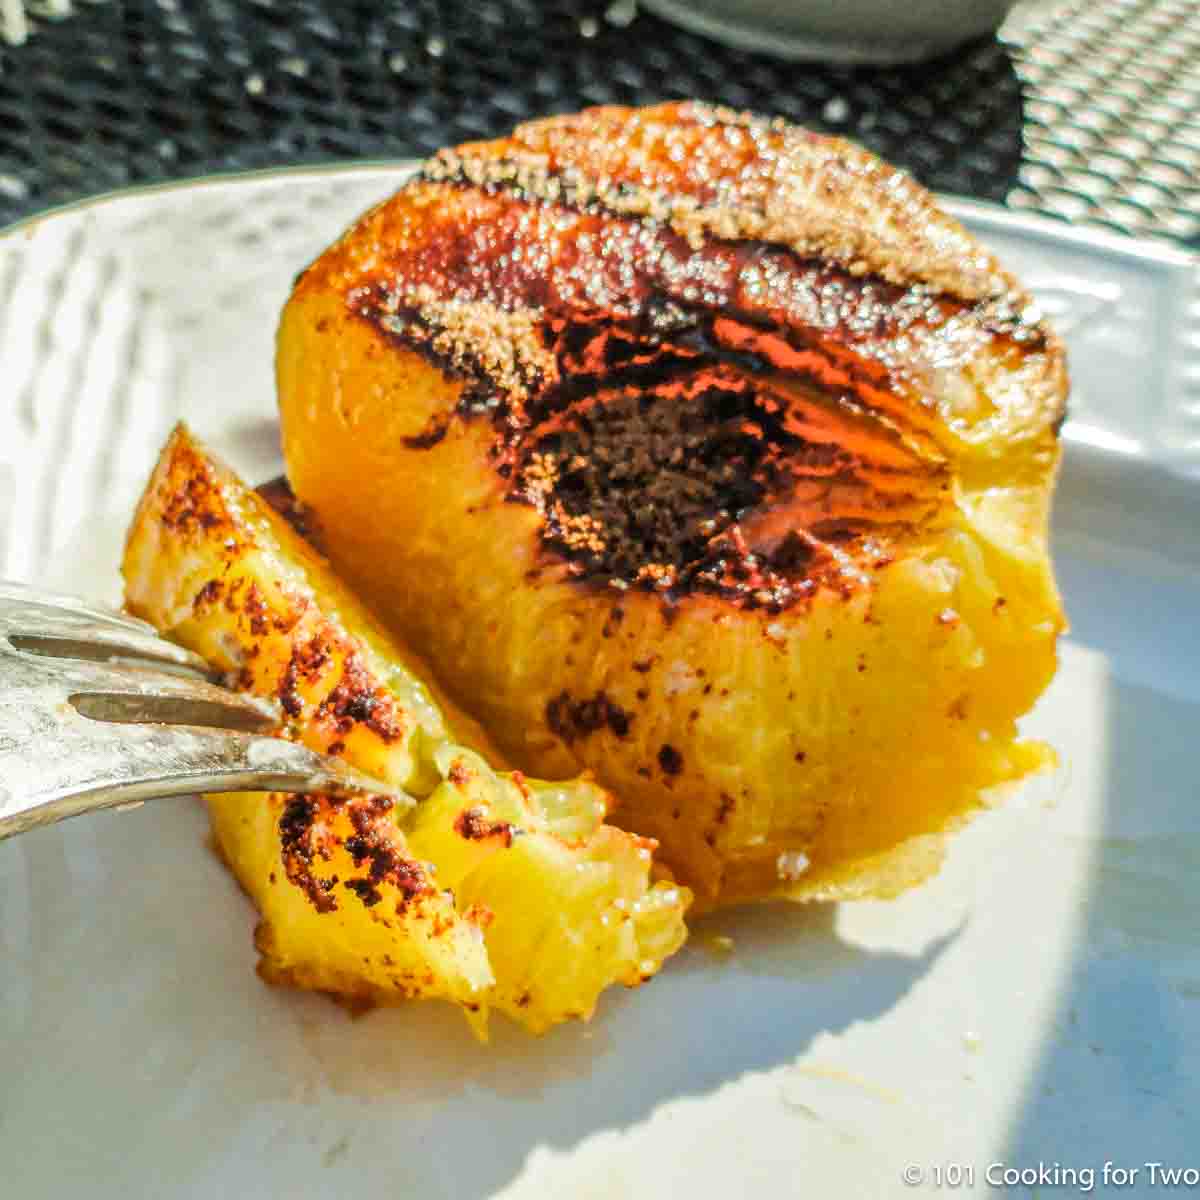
{"type": "Point", "coordinates": [134, 91]}
{"type": "Point", "coordinates": [1112, 114]}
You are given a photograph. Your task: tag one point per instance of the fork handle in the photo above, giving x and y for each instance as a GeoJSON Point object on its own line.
{"type": "Point", "coordinates": [158, 761]}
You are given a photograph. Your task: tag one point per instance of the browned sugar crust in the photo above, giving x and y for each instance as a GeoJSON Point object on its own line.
{"type": "Point", "coordinates": [709, 173]}
{"type": "Point", "coordinates": [705, 343]}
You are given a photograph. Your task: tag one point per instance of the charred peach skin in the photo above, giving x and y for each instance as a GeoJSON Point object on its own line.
{"type": "Point", "coordinates": [708, 455]}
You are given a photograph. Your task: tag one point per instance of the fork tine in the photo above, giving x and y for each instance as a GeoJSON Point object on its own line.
{"type": "Point", "coordinates": [52, 603]}
{"type": "Point", "coordinates": [59, 625]}
{"type": "Point", "coordinates": [230, 712]}
{"type": "Point", "coordinates": [75, 637]}
{"type": "Point", "coordinates": [146, 762]}
{"type": "Point", "coordinates": [146, 686]}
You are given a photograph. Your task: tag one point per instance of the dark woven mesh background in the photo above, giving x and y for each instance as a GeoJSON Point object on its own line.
{"type": "Point", "coordinates": [133, 91]}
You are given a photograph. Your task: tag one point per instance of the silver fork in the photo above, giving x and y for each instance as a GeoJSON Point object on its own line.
{"type": "Point", "coordinates": [98, 711]}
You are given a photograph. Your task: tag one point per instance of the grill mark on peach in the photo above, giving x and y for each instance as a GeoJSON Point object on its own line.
{"type": "Point", "coordinates": [357, 699]}
{"type": "Point", "coordinates": [299, 847]}
{"type": "Point", "coordinates": [633, 306]}
{"type": "Point", "coordinates": [305, 835]}
{"type": "Point", "coordinates": [473, 825]}
{"type": "Point", "coordinates": [798, 438]}
{"type": "Point", "coordinates": [569, 718]}
{"type": "Point", "coordinates": [191, 499]}
{"type": "Point", "coordinates": [670, 759]}
{"type": "Point", "coordinates": [376, 841]}
{"type": "Point", "coordinates": [209, 595]}
{"type": "Point", "coordinates": [668, 351]}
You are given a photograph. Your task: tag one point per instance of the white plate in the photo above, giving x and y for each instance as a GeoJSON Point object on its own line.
{"type": "Point", "coordinates": [1038, 1003]}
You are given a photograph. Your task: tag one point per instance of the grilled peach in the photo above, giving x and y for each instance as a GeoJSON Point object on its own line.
{"type": "Point", "coordinates": [709, 455]}
{"type": "Point", "coordinates": [488, 889]}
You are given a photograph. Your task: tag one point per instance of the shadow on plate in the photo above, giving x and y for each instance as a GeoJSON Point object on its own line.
{"type": "Point", "coordinates": [1118, 1068]}
{"type": "Point", "coordinates": [1117, 1075]}
{"type": "Point", "coordinates": [124, 924]}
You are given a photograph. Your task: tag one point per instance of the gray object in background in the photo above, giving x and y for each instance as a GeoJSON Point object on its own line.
{"type": "Point", "coordinates": [861, 31]}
